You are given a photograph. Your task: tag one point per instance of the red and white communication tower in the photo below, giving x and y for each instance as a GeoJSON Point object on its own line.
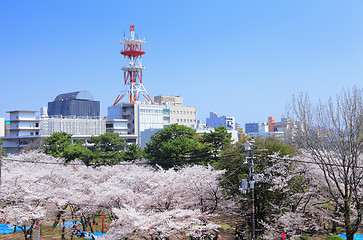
{"type": "Point", "coordinates": [133, 72]}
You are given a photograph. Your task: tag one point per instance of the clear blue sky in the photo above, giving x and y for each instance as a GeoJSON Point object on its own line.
{"type": "Point", "coordinates": [239, 58]}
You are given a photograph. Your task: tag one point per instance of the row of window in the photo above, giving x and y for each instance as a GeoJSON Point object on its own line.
{"type": "Point", "coordinates": [183, 112]}
{"type": "Point", "coordinates": [186, 120]}
{"type": "Point", "coordinates": [151, 110]}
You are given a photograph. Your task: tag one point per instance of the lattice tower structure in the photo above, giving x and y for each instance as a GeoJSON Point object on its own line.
{"type": "Point", "coordinates": [133, 72]}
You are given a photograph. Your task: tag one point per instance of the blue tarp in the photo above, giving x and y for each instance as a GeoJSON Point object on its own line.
{"type": "Point", "coordinates": [356, 236]}
{"type": "Point", "coordinates": [68, 224]}
{"type": "Point", "coordinates": [8, 228]}
{"type": "Point", "coordinates": [88, 235]}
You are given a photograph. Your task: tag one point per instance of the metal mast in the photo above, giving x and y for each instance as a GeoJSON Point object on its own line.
{"type": "Point", "coordinates": [253, 178]}
{"type": "Point", "coordinates": [133, 72]}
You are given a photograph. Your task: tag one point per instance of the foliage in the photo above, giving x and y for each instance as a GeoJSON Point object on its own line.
{"type": "Point", "coordinates": [172, 145]}
{"type": "Point", "coordinates": [283, 198]}
{"type": "Point", "coordinates": [216, 140]}
{"type": "Point", "coordinates": [56, 144]}
{"type": "Point", "coordinates": [2, 153]}
{"type": "Point", "coordinates": [107, 149]}
{"type": "Point", "coordinates": [133, 152]}
{"type": "Point", "coordinates": [176, 144]}
{"type": "Point", "coordinates": [335, 237]}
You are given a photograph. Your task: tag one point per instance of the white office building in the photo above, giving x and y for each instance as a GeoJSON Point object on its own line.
{"type": "Point", "coordinates": [143, 117]}
{"type": "Point", "coordinates": [215, 120]}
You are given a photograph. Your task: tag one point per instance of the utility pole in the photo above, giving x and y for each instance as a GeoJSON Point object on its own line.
{"type": "Point", "coordinates": [250, 183]}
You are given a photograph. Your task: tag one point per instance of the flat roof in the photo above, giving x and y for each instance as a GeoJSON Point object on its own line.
{"type": "Point", "coordinates": [21, 111]}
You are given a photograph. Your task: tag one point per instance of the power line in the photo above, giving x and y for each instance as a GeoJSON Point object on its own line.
{"type": "Point", "coordinates": [184, 160]}
{"type": "Point", "coordinates": [310, 162]}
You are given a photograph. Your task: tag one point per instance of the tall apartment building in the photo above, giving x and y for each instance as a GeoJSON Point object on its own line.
{"type": "Point", "coordinates": [79, 104]}
{"type": "Point", "coordinates": [24, 131]}
{"type": "Point", "coordinates": [215, 120]}
{"type": "Point", "coordinates": [272, 124]}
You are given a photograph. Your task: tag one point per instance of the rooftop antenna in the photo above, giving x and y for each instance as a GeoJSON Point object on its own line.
{"type": "Point", "coordinates": [133, 72]}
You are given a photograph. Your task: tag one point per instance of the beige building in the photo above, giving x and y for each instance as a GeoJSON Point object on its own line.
{"type": "Point", "coordinates": [183, 115]}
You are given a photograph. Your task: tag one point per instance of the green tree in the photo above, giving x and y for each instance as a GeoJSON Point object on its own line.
{"type": "Point", "coordinates": [107, 149]}
{"type": "Point", "coordinates": [217, 140]}
{"type": "Point", "coordinates": [172, 145]}
{"type": "Point", "coordinates": [78, 151]}
{"type": "Point", "coordinates": [133, 152]}
{"type": "Point", "coordinates": [2, 153]}
{"type": "Point", "coordinates": [56, 144]}
{"type": "Point", "coordinates": [232, 160]}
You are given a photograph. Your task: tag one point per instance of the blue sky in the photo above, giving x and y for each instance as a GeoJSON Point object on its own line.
{"type": "Point", "coordinates": [238, 58]}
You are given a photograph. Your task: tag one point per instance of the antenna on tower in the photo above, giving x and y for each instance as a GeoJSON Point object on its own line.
{"type": "Point", "coordinates": [133, 72]}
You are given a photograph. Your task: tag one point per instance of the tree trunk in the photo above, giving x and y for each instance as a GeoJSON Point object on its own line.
{"type": "Point", "coordinates": [347, 214]}
{"type": "Point", "coordinates": [27, 234]}
{"type": "Point", "coordinates": [63, 229]}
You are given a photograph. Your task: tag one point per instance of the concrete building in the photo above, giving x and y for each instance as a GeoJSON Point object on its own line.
{"type": "Point", "coordinates": [27, 130]}
{"type": "Point", "coordinates": [215, 120]}
{"type": "Point", "coordinates": [143, 117]}
{"type": "Point", "coordinates": [79, 104]}
{"type": "Point", "coordinates": [2, 127]}
{"type": "Point", "coordinates": [180, 114]}
{"type": "Point", "coordinates": [138, 117]}
{"type": "Point", "coordinates": [24, 131]}
{"type": "Point", "coordinates": [78, 127]}
{"type": "Point", "coordinates": [251, 127]}
{"type": "Point", "coordinates": [272, 124]}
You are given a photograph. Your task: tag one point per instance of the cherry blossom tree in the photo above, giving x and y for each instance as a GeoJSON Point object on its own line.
{"type": "Point", "coordinates": [162, 202]}
{"type": "Point", "coordinates": [332, 133]}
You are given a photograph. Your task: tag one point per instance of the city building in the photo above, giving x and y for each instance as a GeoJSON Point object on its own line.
{"type": "Point", "coordinates": [138, 117]}
{"type": "Point", "coordinates": [78, 127]}
{"type": "Point", "coordinates": [241, 133]}
{"type": "Point", "coordinates": [215, 120]}
{"type": "Point", "coordinates": [251, 127]}
{"type": "Point", "coordinates": [272, 124]}
{"type": "Point", "coordinates": [180, 114]}
{"type": "Point", "coordinates": [142, 117]}
{"type": "Point", "coordinates": [27, 130]}
{"type": "Point", "coordinates": [79, 104]}
{"type": "Point", "coordinates": [24, 131]}
{"type": "Point", "coordinates": [2, 127]}
{"type": "Point", "coordinates": [262, 130]}
{"type": "Point", "coordinates": [7, 128]}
